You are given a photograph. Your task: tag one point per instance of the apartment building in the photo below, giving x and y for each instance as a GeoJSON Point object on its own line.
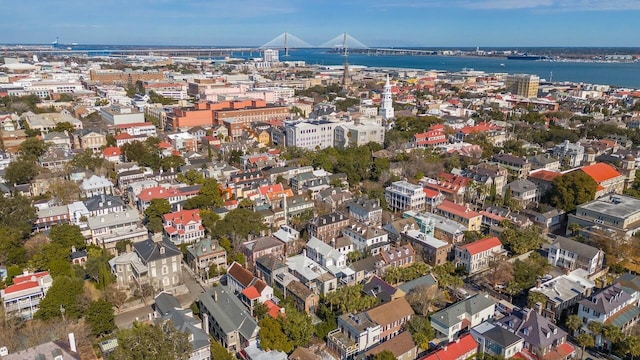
{"type": "Point", "coordinates": [126, 77]}
{"type": "Point", "coordinates": [328, 226]}
{"type": "Point", "coordinates": [476, 256]}
{"type": "Point", "coordinates": [21, 299]}
{"type": "Point", "coordinates": [366, 237]}
{"type": "Point", "coordinates": [524, 85]}
{"type": "Point", "coordinates": [433, 251]}
{"type": "Point", "coordinates": [205, 254]}
{"type": "Point", "coordinates": [402, 195]}
{"type": "Point", "coordinates": [461, 214]}
{"type": "Point", "coordinates": [110, 228]}
{"type": "Point", "coordinates": [570, 254]}
{"type": "Point", "coordinates": [619, 215]}
{"type": "Point", "coordinates": [310, 135]}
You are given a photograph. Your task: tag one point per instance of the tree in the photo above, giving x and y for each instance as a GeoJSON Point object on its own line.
{"type": "Point", "coordinates": [572, 189]}
{"type": "Point", "coordinates": [595, 327]}
{"type": "Point", "coordinates": [573, 323]}
{"type": "Point", "coordinates": [260, 310]}
{"type": "Point", "coordinates": [613, 334]}
{"type": "Point", "coordinates": [535, 298]}
{"type": "Point", "coordinates": [384, 355]}
{"type": "Point", "coordinates": [631, 346]}
{"type": "Point", "coordinates": [64, 126]}
{"type": "Point", "coordinates": [21, 171]}
{"type": "Point", "coordinates": [585, 340]}
{"type": "Point", "coordinates": [11, 247]}
{"type": "Point", "coordinates": [218, 352]}
{"type": "Point", "coordinates": [499, 272]}
{"type": "Point", "coordinates": [297, 326]}
{"type": "Point", "coordinates": [209, 196]}
{"type": "Point", "coordinates": [99, 316]}
{"type": "Point", "coordinates": [115, 296]}
{"type": "Point", "coordinates": [89, 160]}
{"type": "Point", "coordinates": [421, 330]}
{"type": "Point", "coordinates": [272, 337]}
{"type": "Point", "coordinates": [33, 148]}
{"type": "Point", "coordinates": [64, 295]}
{"type": "Point", "coordinates": [65, 191]}
{"type": "Point", "coordinates": [521, 241]}
{"type": "Point", "coordinates": [423, 298]}
{"type": "Point", "coordinates": [16, 212]}
{"type": "Point", "coordinates": [154, 212]}
{"type": "Point", "coordinates": [143, 342]}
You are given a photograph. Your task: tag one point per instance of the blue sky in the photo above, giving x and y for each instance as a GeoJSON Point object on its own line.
{"type": "Point", "coordinates": [373, 22]}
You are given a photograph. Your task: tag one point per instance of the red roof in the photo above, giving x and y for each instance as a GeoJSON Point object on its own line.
{"type": "Point", "coordinates": [123, 136]}
{"type": "Point", "coordinates": [430, 193]}
{"type": "Point", "coordinates": [458, 210]}
{"type": "Point", "coordinates": [491, 215]}
{"type": "Point", "coordinates": [544, 175]}
{"type": "Point", "coordinates": [164, 145]}
{"type": "Point", "coordinates": [29, 277]}
{"type": "Point", "coordinates": [455, 350]}
{"type": "Point", "coordinates": [480, 127]}
{"type": "Point", "coordinates": [251, 293]}
{"type": "Point", "coordinates": [561, 352]}
{"type": "Point", "coordinates": [481, 245]}
{"type": "Point", "coordinates": [274, 310]}
{"type": "Point", "coordinates": [160, 192]}
{"type": "Point", "coordinates": [22, 286]}
{"type": "Point", "coordinates": [600, 172]}
{"type": "Point", "coordinates": [265, 189]}
{"type": "Point", "coordinates": [111, 151]}
{"type": "Point", "coordinates": [182, 217]}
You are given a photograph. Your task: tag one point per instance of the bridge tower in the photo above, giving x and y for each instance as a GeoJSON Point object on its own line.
{"type": "Point", "coordinates": [346, 78]}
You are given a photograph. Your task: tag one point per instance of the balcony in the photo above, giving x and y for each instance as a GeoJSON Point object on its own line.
{"type": "Point", "coordinates": [342, 342]}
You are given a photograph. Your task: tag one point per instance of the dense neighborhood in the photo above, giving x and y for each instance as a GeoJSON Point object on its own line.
{"type": "Point", "coordinates": [174, 208]}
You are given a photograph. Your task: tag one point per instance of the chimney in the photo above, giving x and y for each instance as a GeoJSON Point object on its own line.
{"type": "Point", "coordinates": [205, 322]}
{"type": "Point", "coordinates": [215, 296]}
{"type": "Point", "coordinates": [157, 237]}
{"type": "Point", "coordinates": [539, 308]}
{"type": "Point", "coordinates": [73, 249]}
{"type": "Point", "coordinates": [72, 343]}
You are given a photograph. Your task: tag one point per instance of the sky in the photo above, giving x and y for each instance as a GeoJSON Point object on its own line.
{"type": "Point", "coordinates": [429, 23]}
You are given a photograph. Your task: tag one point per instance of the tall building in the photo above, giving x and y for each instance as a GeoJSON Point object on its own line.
{"type": "Point", "coordinates": [524, 85]}
{"type": "Point", "coordinates": [386, 110]}
{"type": "Point", "coordinates": [271, 55]}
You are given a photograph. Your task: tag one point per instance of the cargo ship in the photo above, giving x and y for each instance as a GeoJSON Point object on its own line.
{"type": "Point", "coordinates": [526, 57]}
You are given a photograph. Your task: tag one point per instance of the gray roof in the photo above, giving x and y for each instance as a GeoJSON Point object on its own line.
{"type": "Point", "coordinates": [497, 334]}
{"type": "Point", "coordinates": [618, 206]}
{"type": "Point", "coordinates": [533, 328]}
{"type": "Point", "coordinates": [149, 250]}
{"type": "Point", "coordinates": [427, 280]}
{"type": "Point", "coordinates": [228, 311]}
{"type": "Point", "coordinates": [271, 262]}
{"type": "Point", "coordinates": [521, 185]}
{"type": "Point", "coordinates": [607, 300]}
{"type": "Point", "coordinates": [204, 246]}
{"type": "Point", "coordinates": [263, 243]}
{"type": "Point", "coordinates": [113, 219]}
{"type": "Point", "coordinates": [98, 202]}
{"type": "Point", "coordinates": [473, 305]}
{"type": "Point", "coordinates": [581, 249]}
{"type": "Point", "coordinates": [169, 309]}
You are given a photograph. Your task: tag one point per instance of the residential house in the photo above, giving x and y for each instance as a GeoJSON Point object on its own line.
{"type": "Point", "coordinates": [112, 154]}
{"type": "Point", "coordinates": [610, 306]}
{"type": "Point", "coordinates": [396, 256]}
{"type": "Point", "coordinates": [329, 258]}
{"type": "Point", "coordinates": [21, 299]}
{"type": "Point", "coordinates": [477, 256]}
{"type": "Point", "coordinates": [204, 254]}
{"type": "Point", "coordinates": [570, 254]}
{"type": "Point", "coordinates": [312, 274]}
{"type": "Point", "coordinates": [438, 226]}
{"type": "Point", "coordinates": [523, 192]}
{"type": "Point", "coordinates": [55, 159]}
{"type": "Point", "coordinates": [327, 227]}
{"type": "Point", "coordinates": [402, 195]}
{"type": "Point", "coordinates": [518, 167]}
{"type": "Point", "coordinates": [89, 139]}
{"type": "Point", "coordinates": [461, 214]}
{"type": "Point", "coordinates": [266, 245]}
{"type": "Point", "coordinates": [395, 228]}
{"type": "Point", "coordinates": [183, 227]}
{"type": "Point", "coordinates": [50, 216]}
{"type": "Point", "coordinates": [226, 319]}
{"type": "Point", "coordinates": [60, 140]}
{"type": "Point", "coordinates": [303, 298]}
{"type": "Point", "coordinates": [542, 338]}
{"type": "Point", "coordinates": [153, 261]}
{"type": "Point", "coordinates": [108, 229]}
{"type": "Point", "coordinates": [402, 347]}
{"type": "Point", "coordinates": [365, 237]}
{"type": "Point", "coordinates": [461, 349]}
{"type": "Point", "coordinates": [381, 289]}
{"type": "Point", "coordinates": [570, 154]}
{"type": "Point", "coordinates": [270, 266]}
{"type": "Point", "coordinates": [433, 137]}
{"type": "Point", "coordinates": [96, 185]}
{"type": "Point", "coordinates": [250, 289]}
{"type": "Point", "coordinates": [427, 282]}
{"type": "Point", "coordinates": [496, 340]}
{"type": "Point", "coordinates": [365, 210]}
{"type": "Point", "coordinates": [355, 334]}
{"type": "Point", "coordinates": [564, 292]}
{"type": "Point", "coordinates": [487, 175]}
{"type": "Point", "coordinates": [453, 187]}
{"type": "Point", "coordinates": [173, 194]}
{"type": "Point", "coordinates": [391, 316]}
{"type": "Point", "coordinates": [167, 308]}
{"type": "Point", "coordinates": [463, 315]}
{"type": "Point", "coordinates": [543, 180]}
{"type": "Point", "coordinates": [433, 251]}
{"type": "Point", "coordinates": [103, 204]}
{"type": "Point", "coordinates": [544, 161]}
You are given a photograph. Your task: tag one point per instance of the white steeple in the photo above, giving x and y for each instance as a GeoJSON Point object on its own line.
{"type": "Point", "coordinates": [386, 110]}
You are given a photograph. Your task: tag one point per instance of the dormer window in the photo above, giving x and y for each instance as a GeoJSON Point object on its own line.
{"type": "Point", "coordinates": [162, 250]}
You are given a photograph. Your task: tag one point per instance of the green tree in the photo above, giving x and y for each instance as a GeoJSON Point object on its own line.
{"type": "Point", "coordinates": [17, 213]}
{"type": "Point", "coordinates": [63, 296]}
{"type": "Point", "coordinates": [21, 171]}
{"type": "Point", "coordinates": [421, 330]}
{"type": "Point", "coordinates": [64, 126]}
{"type": "Point", "coordinates": [239, 223]}
{"type": "Point", "coordinates": [209, 196]}
{"type": "Point", "coordinates": [218, 352]}
{"type": "Point", "coordinates": [297, 326]}
{"type": "Point", "coordinates": [191, 177]}
{"type": "Point", "coordinates": [572, 189]}
{"type": "Point", "coordinates": [631, 346]}
{"type": "Point", "coordinates": [144, 342]}
{"type": "Point", "coordinates": [384, 355]}
{"type": "Point", "coordinates": [88, 160]}
{"type": "Point", "coordinates": [172, 162]}
{"type": "Point", "coordinates": [595, 327]}
{"type": "Point", "coordinates": [154, 212]}
{"type": "Point", "coordinates": [534, 298]}
{"type": "Point", "coordinates": [32, 147]}
{"type": "Point", "coordinates": [573, 323]}
{"type": "Point", "coordinates": [11, 247]}
{"type": "Point", "coordinates": [613, 334]}
{"type": "Point", "coordinates": [99, 316]}
{"type": "Point", "coordinates": [585, 340]}
{"type": "Point", "coordinates": [272, 337]}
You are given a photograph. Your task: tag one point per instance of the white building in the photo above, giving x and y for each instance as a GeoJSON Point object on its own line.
{"type": "Point", "coordinates": [96, 185]}
{"type": "Point", "coordinates": [118, 115]}
{"type": "Point", "coordinates": [476, 256]}
{"type": "Point", "coordinates": [364, 237]}
{"type": "Point", "coordinates": [310, 135]}
{"type": "Point", "coordinates": [402, 195]}
{"type": "Point", "coordinates": [23, 297]}
{"type": "Point", "coordinates": [386, 110]}
{"type": "Point", "coordinates": [569, 153]}
{"type": "Point", "coordinates": [474, 311]}
{"type": "Point", "coordinates": [358, 134]}
{"type": "Point", "coordinates": [271, 55]}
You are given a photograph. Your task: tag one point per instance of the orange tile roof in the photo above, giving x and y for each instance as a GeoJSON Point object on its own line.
{"type": "Point", "coordinates": [430, 193]}
{"type": "Point", "coordinates": [22, 286]}
{"type": "Point", "coordinates": [545, 175]}
{"type": "Point", "coordinates": [251, 293]}
{"type": "Point", "coordinates": [111, 151]}
{"type": "Point", "coordinates": [273, 309]}
{"type": "Point", "coordinates": [455, 350]}
{"type": "Point", "coordinates": [123, 136]}
{"type": "Point", "coordinates": [561, 352]}
{"type": "Point", "coordinates": [459, 210]}
{"type": "Point", "coordinates": [481, 245]}
{"type": "Point", "coordinates": [600, 172]}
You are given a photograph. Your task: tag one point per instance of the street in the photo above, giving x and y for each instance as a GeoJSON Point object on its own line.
{"type": "Point", "coordinates": [193, 290]}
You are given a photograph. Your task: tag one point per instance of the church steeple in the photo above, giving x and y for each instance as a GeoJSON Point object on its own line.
{"type": "Point", "coordinates": [386, 110]}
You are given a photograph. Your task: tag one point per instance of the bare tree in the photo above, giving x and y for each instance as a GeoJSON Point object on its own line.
{"type": "Point", "coordinates": [500, 271]}
{"type": "Point", "coordinates": [424, 299]}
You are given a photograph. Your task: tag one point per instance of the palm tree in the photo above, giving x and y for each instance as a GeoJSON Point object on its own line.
{"type": "Point", "coordinates": [596, 328]}
{"type": "Point", "coordinates": [573, 323]}
{"type": "Point", "coordinates": [585, 340]}
{"type": "Point", "coordinates": [632, 346]}
{"type": "Point", "coordinates": [612, 335]}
